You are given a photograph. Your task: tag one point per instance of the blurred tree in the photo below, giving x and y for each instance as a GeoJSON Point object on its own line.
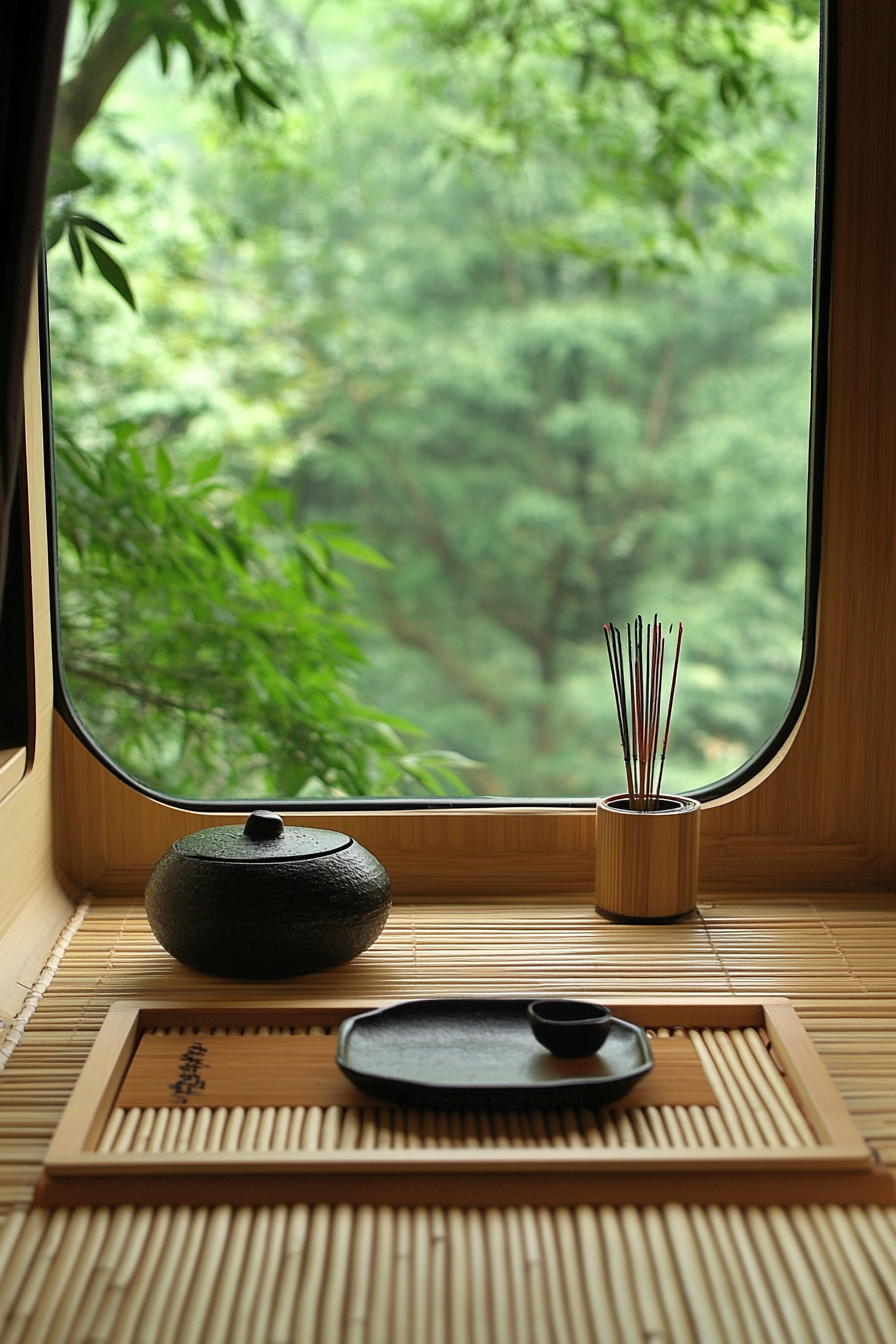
{"type": "Point", "coordinates": [667, 112]}
{"type": "Point", "coordinates": [537, 452]}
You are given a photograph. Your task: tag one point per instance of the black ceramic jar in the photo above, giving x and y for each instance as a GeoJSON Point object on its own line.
{"type": "Point", "coordinates": [266, 901]}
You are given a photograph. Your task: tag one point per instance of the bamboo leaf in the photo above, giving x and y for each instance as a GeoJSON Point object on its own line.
{"type": "Point", "coordinates": [263, 95]}
{"type": "Point", "coordinates": [65, 176]}
{"type": "Point", "coordinates": [205, 17]}
{"type": "Point", "coordinates": [74, 243]}
{"type": "Point", "coordinates": [164, 466]}
{"type": "Point", "coordinates": [357, 550]}
{"type": "Point", "coordinates": [54, 232]}
{"type": "Point", "coordinates": [111, 272]}
{"type": "Point", "coordinates": [205, 468]}
{"type": "Point", "coordinates": [97, 226]}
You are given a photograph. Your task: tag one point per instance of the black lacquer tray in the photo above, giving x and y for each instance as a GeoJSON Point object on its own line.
{"type": "Point", "coordinates": [481, 1054]}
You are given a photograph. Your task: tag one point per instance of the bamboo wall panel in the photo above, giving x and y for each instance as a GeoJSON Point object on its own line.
{"type": "Point", "coordinates": [109, 837]}
{"type": "Point", "coordinates": [839, 779]}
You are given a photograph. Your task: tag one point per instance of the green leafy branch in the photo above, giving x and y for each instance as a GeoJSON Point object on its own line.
{"type": "Point", "coordinates": [80, 230]}
{"type": "Point", "coordinates": [208, 643]}
{"type": "Point", "coordinates": [219, 48]}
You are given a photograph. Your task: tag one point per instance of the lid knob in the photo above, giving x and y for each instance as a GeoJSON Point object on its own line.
{"type": "Point", "coordinates": [263, 825]}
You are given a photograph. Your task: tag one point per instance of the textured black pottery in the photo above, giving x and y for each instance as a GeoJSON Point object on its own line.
{"type": "Point", "coordinates": [266, 902]}
{"type": "Point", "coordinates": [569, 1028]}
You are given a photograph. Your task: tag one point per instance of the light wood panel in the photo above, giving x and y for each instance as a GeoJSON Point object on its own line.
{"type": "Point", "coordinates": [33, 904]}
{"type": "Point", "coordinates": [109, 836]}
{"type": "Point", "coordinates": [255, 1068]}
{"type": "Point", "coordinates": [13, 762]}
{"type": "Point", "coordinates": [838, 781]}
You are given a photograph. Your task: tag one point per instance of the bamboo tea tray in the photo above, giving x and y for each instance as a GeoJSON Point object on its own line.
{"type": "Point", "coordinates": [243, 1103]}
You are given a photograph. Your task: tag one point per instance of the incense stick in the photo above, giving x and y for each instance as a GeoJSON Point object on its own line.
{"type": "Point", "coordinates": [639, 705]}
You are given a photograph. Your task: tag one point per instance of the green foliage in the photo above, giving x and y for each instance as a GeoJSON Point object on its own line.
{"type": "Point", "coordinates": [78, 229]}
{"type": "Point", "coordinates": [214, 36]}
{"type": "Point", "coordinates": [492, 358]}
{"type": "Point", "coordinates": [666, 112]}
{"type": "Point", "coordinates": [205, 636]}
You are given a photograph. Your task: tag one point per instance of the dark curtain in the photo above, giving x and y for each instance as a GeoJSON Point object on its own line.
{"type": "Point", "coordinates": [32, 33]}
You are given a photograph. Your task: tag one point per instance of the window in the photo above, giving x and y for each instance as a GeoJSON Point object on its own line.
{"type": "Point", "coordinates": [456, 352]}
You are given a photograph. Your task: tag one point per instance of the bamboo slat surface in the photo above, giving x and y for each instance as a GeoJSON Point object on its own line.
{"type": "Point", "coordinates": [754, 1110]}
{"type": "Point", "coordinates": [384, 1275]}
{"type": "Point", "coordinates": [537, 1276]}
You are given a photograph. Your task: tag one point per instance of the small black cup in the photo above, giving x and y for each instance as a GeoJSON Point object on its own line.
{"type": "Point", "coordinates": [569, 1028]}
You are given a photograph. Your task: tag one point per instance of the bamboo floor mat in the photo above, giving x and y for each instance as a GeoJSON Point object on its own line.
{"type": "Point", "coordinates": [339, 1275]}
{"type": "Point", "coordinates": [520, 1275]}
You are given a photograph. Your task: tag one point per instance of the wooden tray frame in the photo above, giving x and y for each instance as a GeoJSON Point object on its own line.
{"type": "Point", "coordinates": [840, 1169]}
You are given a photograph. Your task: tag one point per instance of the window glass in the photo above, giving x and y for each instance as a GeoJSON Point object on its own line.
{"type": "Point", "coordinates": [396, 349]}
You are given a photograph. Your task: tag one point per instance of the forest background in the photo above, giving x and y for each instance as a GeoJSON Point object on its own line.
{"type": "Point", "coordinates": [442, 334]}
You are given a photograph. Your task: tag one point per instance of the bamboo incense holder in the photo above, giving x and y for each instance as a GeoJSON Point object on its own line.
{"type": "Point", "coordinates": [646, 862]}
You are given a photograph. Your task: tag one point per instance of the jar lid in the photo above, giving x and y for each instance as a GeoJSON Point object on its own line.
{"type": "Point", "coordinates": [263, 839]}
